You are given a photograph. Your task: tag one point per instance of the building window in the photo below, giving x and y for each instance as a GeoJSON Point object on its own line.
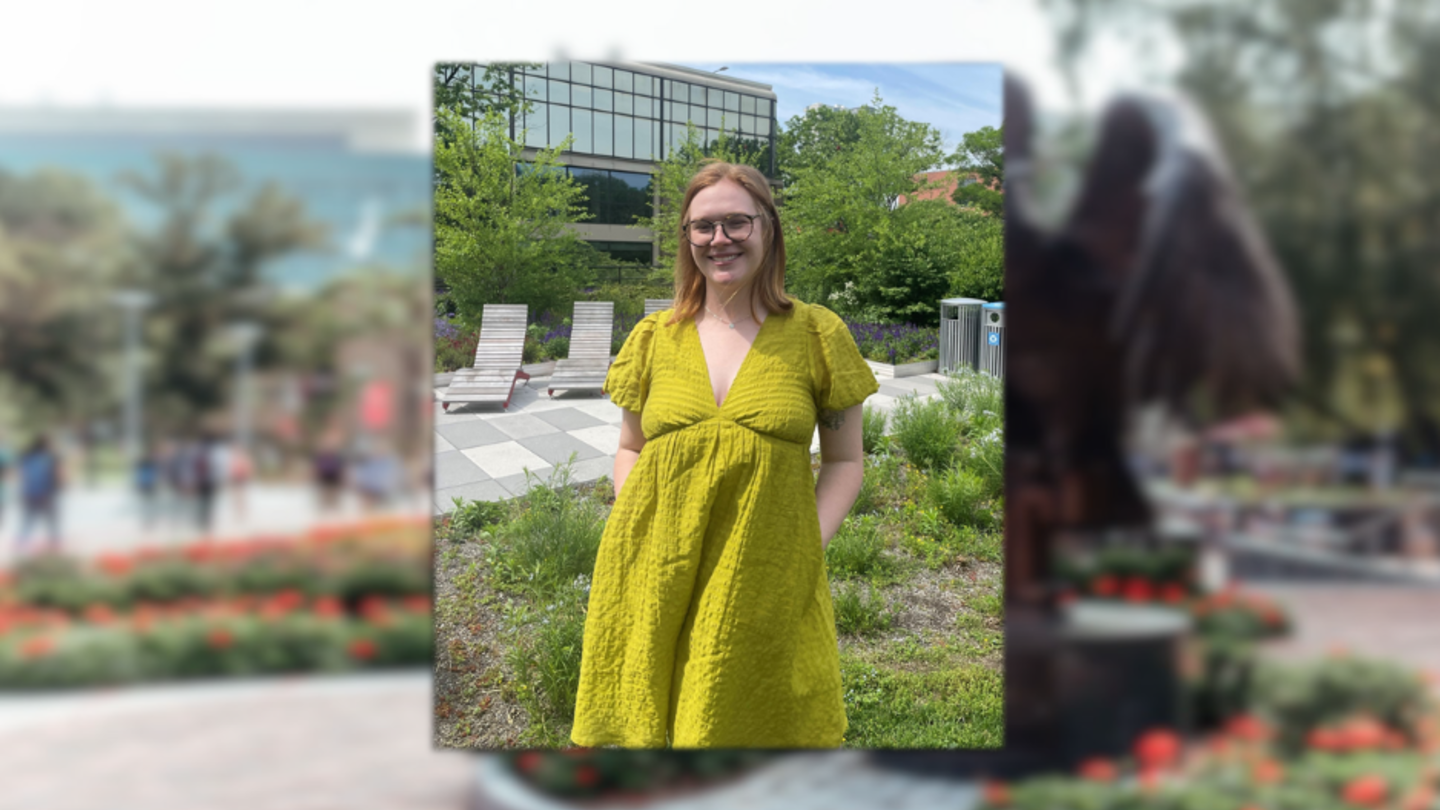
{"type": "Point", "coordinates": [628, 252]}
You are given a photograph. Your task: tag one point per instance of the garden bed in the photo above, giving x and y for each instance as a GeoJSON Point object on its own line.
{"type": "Point", "coordinates": [334, 599]}
{"type": "Point", "coordinates": [915, 577]}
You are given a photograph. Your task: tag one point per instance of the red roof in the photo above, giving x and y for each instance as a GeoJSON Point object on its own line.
{"type": "Point", "coordinates": [949, 180]}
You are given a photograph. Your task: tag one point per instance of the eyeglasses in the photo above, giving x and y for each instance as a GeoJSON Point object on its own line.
{"type": "Point", "coordinates": [737, 227]}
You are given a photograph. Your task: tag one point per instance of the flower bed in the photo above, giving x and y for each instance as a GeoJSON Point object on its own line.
{"type": "Point", "coordinates": [1337, 733]}
{"type": "Point", "coordinates": [334, 599]}
{"type": "Point", "coordinates": [896, 344]}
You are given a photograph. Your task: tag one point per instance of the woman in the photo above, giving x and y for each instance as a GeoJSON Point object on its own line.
{"type": "Point", "coordinates": [709, 621]}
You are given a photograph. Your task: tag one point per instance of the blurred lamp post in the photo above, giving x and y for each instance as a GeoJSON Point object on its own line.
{"type": "Point", "coordinates": [133, 302]}
{"type": "Point", "coordinates": [246, 334]}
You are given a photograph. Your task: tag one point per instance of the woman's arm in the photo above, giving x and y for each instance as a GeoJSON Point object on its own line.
{"type": "Point", "coordinates": [842, 468]}
{"type": "Point", "coordinates": [632, 440]}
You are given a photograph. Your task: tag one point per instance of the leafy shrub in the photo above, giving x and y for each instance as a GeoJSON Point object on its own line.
{"type": "Point", "coordinates": [554, 539]}
{"type": "Point", "coordinates": [872, 429]}
{"type": "Point", "coordinates": [927, 431]}
{"type": "Point", "coordinates": [985, 453]}
{"type": "Point", "coordinates": [558, 348]}
{"type": "Point", "coordinates": [629, 298]}
{"type": "Point", "coordinates": [548, 661]}
{"type": "Point", "coordinates": [867, 499]}
{"type": "Point", "coordinates": [860, 610]}
{"type": "Point", "coordinates": [1301, 698]}
{"type": "Point", "coordinates": [962, 497]}
{"type": "Point", "coordinates": [856, 550]}
{"type": "Point", "coordinates": [975, 395]}
{"type": "Point", "coordinates": [471, 517]}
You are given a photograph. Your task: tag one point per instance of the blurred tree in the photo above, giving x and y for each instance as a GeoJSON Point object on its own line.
{"type": "Point", "coordinates": [62, 248]}
{"type": "Point", "coordinates": [982, 155]}
{"type": "Point", "coordinates": [204, 269]}
{"type": "Point", "coordinates": [1331, 112]}
{"type": "Point", "coordinates": [500, 221]}
{"type": "Point", "coordinates": [671, 178]}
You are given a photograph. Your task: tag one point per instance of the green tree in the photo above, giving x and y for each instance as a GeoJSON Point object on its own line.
{"type": "Point", "coordinates": [671, 178]}
{"type": "Point", "coordinates": [849, 236]}
{"type": "Point", "coordinates": [982, 156]}
{"type": "Point", "coordinates": [812, 139]}
{"type": "Point", "coordinates": [501, 233]}
{"type": "Point", "coordinates": [471, 90]}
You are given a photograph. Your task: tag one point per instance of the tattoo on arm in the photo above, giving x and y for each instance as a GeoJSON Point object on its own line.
{"type": "Point", "coordinates": [832, 420]}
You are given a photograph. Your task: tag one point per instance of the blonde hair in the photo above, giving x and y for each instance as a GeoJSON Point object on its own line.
{"type": "Point", "coordinates": [769, 282]}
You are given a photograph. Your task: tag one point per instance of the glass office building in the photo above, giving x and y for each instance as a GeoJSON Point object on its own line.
{"type": "Point", "coordinates": [626, 116]}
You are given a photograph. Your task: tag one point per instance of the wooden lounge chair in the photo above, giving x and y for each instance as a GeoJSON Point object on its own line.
{"type": "Point", "coordinates": [589, 357]}
{"type": "Point", "coordinates": [654, 305]}
{"type": "Point", "coordinates": [497, 359]}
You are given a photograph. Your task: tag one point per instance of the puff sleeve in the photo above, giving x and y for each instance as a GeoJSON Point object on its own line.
{"type": "Point", "coordinates": [628, 381]}
{"type": "Point", "coordinates": [842, 377]}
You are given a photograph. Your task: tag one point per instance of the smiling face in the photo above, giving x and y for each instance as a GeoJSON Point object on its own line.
{"type": "Point", "coordinates": [725, 263]}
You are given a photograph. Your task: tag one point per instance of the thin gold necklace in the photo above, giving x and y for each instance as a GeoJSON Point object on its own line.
{"type": "Point", "coordinates": [730, 324]}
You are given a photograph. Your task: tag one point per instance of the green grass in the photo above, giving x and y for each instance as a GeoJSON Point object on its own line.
{"type": "Point", "coordinates": [545, 658]}
{"type": "Point", "coordinates": [990, 605]}
{"type": "Point", "coordinates": [857, 551]}
{"type": "Point", "coordinates": [963, 498]}
{"type": "Point", "coordinates": [860, 610]}
{"type": "Point", "coordinates": [926, 501]}
{"type": "Point", "coordinates": [958, 706]}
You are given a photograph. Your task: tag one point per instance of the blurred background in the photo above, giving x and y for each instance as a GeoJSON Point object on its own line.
{"type": "Point", "coordinates": [155, 293]}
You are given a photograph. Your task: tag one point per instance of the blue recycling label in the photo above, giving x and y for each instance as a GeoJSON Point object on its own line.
{"type": "Point", "coordinates": [993, 338]}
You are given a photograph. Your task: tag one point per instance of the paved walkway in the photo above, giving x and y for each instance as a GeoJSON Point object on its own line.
{"type": "Point", "coordinates": [360, 742]}
{"type": "Point", "coordinates": [483, 451]}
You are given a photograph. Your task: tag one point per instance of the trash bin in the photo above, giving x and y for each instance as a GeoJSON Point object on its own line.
{"type": "Point", "coordinates": [960, 333]}
{"type": "Point", "coordinates": [992, 350]}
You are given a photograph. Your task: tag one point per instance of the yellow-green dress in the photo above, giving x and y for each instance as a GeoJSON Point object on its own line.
{"type": "Point", "coordinates": [709, 622]}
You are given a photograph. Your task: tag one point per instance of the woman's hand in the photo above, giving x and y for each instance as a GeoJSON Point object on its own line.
{"type": "Point", "coordinates": [842, 468]}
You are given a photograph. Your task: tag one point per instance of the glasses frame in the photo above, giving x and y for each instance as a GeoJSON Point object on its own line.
{"type": "Point", "coordinates": [685, 229]}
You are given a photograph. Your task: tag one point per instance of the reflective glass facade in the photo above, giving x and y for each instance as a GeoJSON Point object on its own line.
{"type": "Point", "coordinates": [620, 113]}
{"type": "Point", "coordinates": [632, 112]}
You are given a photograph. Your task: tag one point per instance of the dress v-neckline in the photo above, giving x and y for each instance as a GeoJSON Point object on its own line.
{"type": "Point", "coordinates": [745, 361]}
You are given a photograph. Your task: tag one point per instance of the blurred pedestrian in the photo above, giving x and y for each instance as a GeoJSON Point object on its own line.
{"type": "Point", "coordinates": [205, 481]}
{"type": "Point", "coordinates": [147, 485]}
{"type": "Point", "coordinates": [41, 478]}
{"type": "Point", "coordinates": [376, 476]}
{"type": "Point", "coordinates": [178, 474]}
{"type": "Point", "coordinates": [240, 471]}
{"type": "Point", "coordinates": [5, 461]}
{"type": "Point", "coordinates": [329, 474]}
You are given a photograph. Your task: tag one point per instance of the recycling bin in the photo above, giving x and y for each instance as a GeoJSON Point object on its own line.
{"type": "Point", "coordinates": [992, 347]}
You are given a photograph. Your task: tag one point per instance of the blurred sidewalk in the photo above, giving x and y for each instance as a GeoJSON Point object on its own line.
{"type": "Point", "coordinates": [359, 742]}
{"type": "Point", "coordinates": [99, 519]}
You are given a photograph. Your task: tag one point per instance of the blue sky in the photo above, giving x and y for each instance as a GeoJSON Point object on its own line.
{"type": "Point", "coordinates": [954, 98]}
